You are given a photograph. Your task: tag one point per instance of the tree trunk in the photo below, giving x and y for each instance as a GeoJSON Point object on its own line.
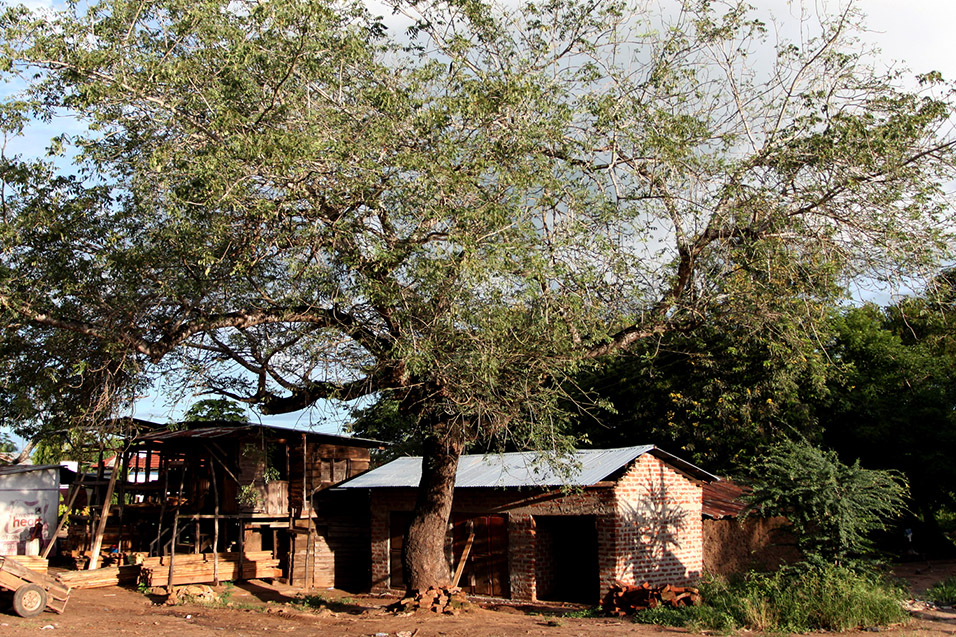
{"type": "Point", "coordinates": [423, 551]}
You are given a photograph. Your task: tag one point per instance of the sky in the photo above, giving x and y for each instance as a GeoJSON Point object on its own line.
{"type": "Point", "coordinates": [914, 33]}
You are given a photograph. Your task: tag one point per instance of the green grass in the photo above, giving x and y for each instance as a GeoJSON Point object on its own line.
{"type": "Point", "coordinates": [943, 593]}
{"type": "Point", "coordinates": [800, 599]}
{"type": "Point", "coordinates": [318, 602]}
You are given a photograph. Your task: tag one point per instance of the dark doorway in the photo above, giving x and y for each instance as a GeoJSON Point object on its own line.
{"type": "Point", "coordinates": [566, 558]}
{"type": "Point", "coordinates": [399, 522]}
{"type": "Point", "coordinates": [485, 568]}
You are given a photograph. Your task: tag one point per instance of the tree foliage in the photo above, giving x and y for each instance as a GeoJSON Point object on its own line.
{"type": "Point", "coordinates": [716, 396]}
{"type": "Point", "coordinates": [215, 409]}
{"type": "Point", "coordinates": [282, 203]}
{"type": "Point", "coordinates": [834, 507]}
{"type": "Point", "coordinates": [893, 403]}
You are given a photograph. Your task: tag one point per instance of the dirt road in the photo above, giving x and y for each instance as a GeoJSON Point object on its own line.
{"type": "Point", "coordinates": [262, 609]}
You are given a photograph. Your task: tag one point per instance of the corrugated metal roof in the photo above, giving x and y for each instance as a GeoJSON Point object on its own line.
{"type": "Point", "coordinates": [723, 500]}
{"type": "Point", "coordinates": [230, 431]}
{"type": "Point", "coordinates": [526, 469]}
{"type": "Point", "coordinates": [26, 468]}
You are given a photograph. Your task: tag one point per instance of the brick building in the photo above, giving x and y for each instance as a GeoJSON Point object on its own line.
{"type": "Point", "coordinates": [528, 532]}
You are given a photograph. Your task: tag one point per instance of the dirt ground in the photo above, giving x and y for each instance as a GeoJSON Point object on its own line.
{"type": "Point", "coordinates": [258, 608]}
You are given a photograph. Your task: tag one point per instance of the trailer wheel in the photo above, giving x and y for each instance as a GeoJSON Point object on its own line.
{"type": "Point", "coordinates": [29, 600]}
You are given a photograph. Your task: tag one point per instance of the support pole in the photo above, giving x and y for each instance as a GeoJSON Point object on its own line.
{"type": "Point", "coordinates": [172, 541]}
{"type": "Point", "coordinates": [104, 516]}
{"type": "Point", "coordinates": [215, 529]}
{"type": "Point", "coordinates": [74, 491]}
{"type": "Point", "coordinates": [242, 546]}
{"type": "Point", "coordinates": [164, 468]}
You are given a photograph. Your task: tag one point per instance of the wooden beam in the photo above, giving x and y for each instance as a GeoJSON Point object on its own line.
{"type": "Point", "coordinates": [464, 557]}
{"type": "Point", "coordinates": [305, 472]}
{"type": "Point", "coordinates": [172, 540]}
{"type": "Point", "coordinates": [104, 517]}
{"type": "Point", "coordinates": [215, 529]}
{"type": "Point", "coordinates": [74, 491]}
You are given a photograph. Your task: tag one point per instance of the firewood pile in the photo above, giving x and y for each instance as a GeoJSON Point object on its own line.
{"type": "Point", "coordinates": [195, 568]}
{"type": "Point", "coordinates": [442, 601]}
{"type": "Point", "coordinates": [625, 599]}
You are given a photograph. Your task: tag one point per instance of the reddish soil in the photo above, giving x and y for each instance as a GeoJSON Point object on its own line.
{"type": "Point", "coordinates": [258, 608]}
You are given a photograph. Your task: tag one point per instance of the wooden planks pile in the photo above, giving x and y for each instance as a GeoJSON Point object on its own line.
{"type": "Point", "coordinates": [625, 599]}
{"type": "Point", "coordinates": [100, 577]}
{"type": "Point", "coordinates": [32, 562]}
{"type": "Point", "coordinates": [197, 568]}
{"type": "Point", "coordinates": [443, 601]}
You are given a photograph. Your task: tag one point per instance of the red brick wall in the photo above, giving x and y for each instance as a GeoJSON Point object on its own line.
{"type": "Point", "coordinates": [658, 532]}
{"type": "Point", "coordinates": [648, 526]}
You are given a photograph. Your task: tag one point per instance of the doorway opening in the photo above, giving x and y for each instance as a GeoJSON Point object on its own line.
{"type": "Point", "coordinates": [566, 558]}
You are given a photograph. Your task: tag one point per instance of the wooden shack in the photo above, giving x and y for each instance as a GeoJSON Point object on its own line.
{"type": "Point", "coordinates": [225, 488]}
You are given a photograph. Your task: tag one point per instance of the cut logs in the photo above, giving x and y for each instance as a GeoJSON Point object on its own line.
{"type": "Point", "coordinates": [193, 568]}
{"type": "Point", "coordinates": [441, 601]}
{"type": "Point", "coordinates": [625, 599]}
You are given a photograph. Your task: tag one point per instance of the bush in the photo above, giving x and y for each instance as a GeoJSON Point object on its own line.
{"type": "Point", "coordinates": [833, 507]}
{"type": "Point", "coordinates": [801, 598]}
{"type": "Point", "coordinates": [943, 593]}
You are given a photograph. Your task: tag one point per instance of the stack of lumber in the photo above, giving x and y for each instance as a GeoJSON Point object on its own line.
{"type": "Point", "coordinates": [444, 600]}
{"type": "Point", "coordinates": [624, 599]}
{"type": "Point", "coordinates": [32, 562]}
{"type": "Point", "coordinates": [196, 568]}
{"type": "Point", "coordinates": [100, 577]}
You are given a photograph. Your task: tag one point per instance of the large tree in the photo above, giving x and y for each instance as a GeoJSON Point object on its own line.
{"type": "Point", "coordinates": [282, 203]}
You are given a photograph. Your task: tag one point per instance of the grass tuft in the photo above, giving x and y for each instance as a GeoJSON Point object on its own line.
{"type": "Point", "coordinates": [798, 599]}
{"type": "Point", "coordinates": [943, 593]}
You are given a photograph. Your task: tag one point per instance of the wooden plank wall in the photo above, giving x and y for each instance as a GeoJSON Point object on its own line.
{"type": "Point", "coordinates": [326, 465]}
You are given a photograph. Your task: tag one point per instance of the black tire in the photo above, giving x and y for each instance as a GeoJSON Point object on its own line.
{"type": "Point", "coordinates": [29, 600]}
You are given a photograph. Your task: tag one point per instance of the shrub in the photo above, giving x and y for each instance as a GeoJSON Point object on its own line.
{"type": "Point", "coordinates": [833, 507]}
{"type": "Point", "coordinates": [802, 598]}
{"type": "Point", "coordinates": [943, 593]}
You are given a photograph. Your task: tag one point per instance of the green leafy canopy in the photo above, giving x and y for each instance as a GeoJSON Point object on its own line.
{"type": "Point", "coordinates": [283, 202]}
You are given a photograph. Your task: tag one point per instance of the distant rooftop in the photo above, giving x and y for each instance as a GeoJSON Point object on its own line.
{"type": "Point", "coordinates": [213, 430]}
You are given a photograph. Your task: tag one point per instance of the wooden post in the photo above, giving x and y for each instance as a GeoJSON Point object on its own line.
{"type": "Point", "coordinates": [305, 473]}
{"type": "Point", "coordinates": [172, 540]}
{"type": "Point", "coordinates": [149, 465]}
{"type": "Point", "coordinates": [464, 555]}
{"type": "Point", "coordinates": [104, 516]}
{"type": "Point", "coordinates": [94, 502]}
{"type": "Point", "coordinates": [242, 546]}
{"type": "Point", "coordinates": [309, 580]}
{"type": "Point", "coordinates": [310, 548]}
{"type": "Point", "coordinates": [215, 529]}
{"type": "Point", "coordinates": [172, 551]}
{"type": "Point", "coordinates": [164, 468]}
{"type": "Point", "coordinates": [74, 491]}
{"type": "Point", "coordinates": [124, 471]}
